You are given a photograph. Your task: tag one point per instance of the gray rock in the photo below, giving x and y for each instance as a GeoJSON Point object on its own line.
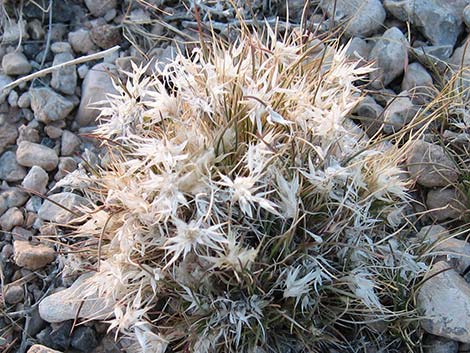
{"type": "Point", "coordinates": [398, 113]}
{"type": "Point", "coordinates": [11, 218]}
{"type": "Point", "coordinates": [27, 133]}
{"type": "Point", "coordinates": [466, 16]}
{"type": "Point", "coordinates": [61, 47]}
{"type": "Point", "coordinates": [106, 36]}
{"type": "Point", "coordinates": [450, 249]}
{"type": "Point", "coordinates": [96, 85]}
{"type": "Point", "coordinates": [446, 204]}
{"type": "Point", "coordinates": [99, 8]}
{"type": "Point", "coordinates": [16, 64]}
{"type": "Point", "coordinates": [13, 99]}
{"type": "Point", "coordinates": [69, 143]}
{"type": "Point", "coordinates": [32, 257]}
{"type": "Point", "coordinates": [360, 17]}
{"type": "Point", "coordinates": [66, 166]}
{"type": "Point", "coordinates": [390, 56]}
{"type": "Point", "coordinates": [4, 80]}
{"type": "Point", "coordinates": [459, 62]}
{"type": "Point", "coordinates": [14, 294]}
{"type": "Point", "coordinates": [37, 348]}
{"type": "Point", "coordinates": [60, 335]}
{"type": "Point", "coordinates": [444, 300]}
{"type": "Point", "coordinates": [63, 305]}
{"type": "Point", "coordinates": [49, 211]}
{"type": "Point", "coordinates": [370, 114]}
{"type": "Point", "coordinates": [84, 339]}
{"type": "Point", "coordinates": [53, 132]}
{"type": "Point", "coordinates": [81, 42]}
{"type": "Point", "coordinates": [65, 79]}
{"type": "Point", "coordinates": [10, 170]}
{"type": "Point", "coordinates": [48, 105]}
{"type": "Point", "coordinates": [418, 82]}
{"type": "Point", "coordinates": [430, 166]}
{"type": "Point", "coordinates": [439, 21]}
{"type": "Point", "coordinates": [36, 180]}
{"type": "Point", "coordinates": [359, 49]}
{"type": "Point", "coordinates": [436, 344]}
{"type": "Point", "coordinates": [24, 101]}
{"type": "Point", "coordinates": [30, 154]}
{"type": "Point", "coordinates": [3, 205]}
{"type": "Point", "coordinates": [14, 197]}
{"type": "Point", "coordinates": [8, 135]}
{"type": "Point", "coordinates": [36, 30]}
{"type": "Point", "coordinates": [13, 31]}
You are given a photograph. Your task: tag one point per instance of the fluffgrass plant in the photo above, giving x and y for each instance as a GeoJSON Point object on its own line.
{"type": "Point", "coordinates": [241, 210]}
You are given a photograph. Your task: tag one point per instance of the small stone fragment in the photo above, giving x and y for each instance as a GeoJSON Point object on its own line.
{"type": "Point", "coordinates": [359, 17]}
{"type": "Point", "coordinates": [36, 180]}
{"type": "Point", "coordinates": [444, 302]}
{"type": "Point", "coordinates": [16, 64]}
{"type": "Point", "coordinates": [11, 218]}
{"type": "Point", "coordinates": [106, 36]}
{"type": "Point", "coordinates": [37, 348]}
{"type": "Point", "coordinates": [430, 166]}
{"type": "Point", "coordinates": [49, 106]}
{"type": "Point", "coordinates": [69, 143]}
{"type": "Point", "coordinates": [418, 82]}
{"type": "Point", "coordinates": [49, 211]}
{"type": "Point", "coordinates": [8, 135]}
{"type": "Point", "coordinates": [10, 170]}
{"type": "Point", "coordinates": [84, 339]}
{"type": "Point", "coordinates": [81, 42]}
{"type": "Point", "coordinates": [32, 257]}
{"type": "Point", "coordinates": [398, 113]}
{"type": "Point", "coordinates": [64, 79]}
{"type": "Point", "coordinates": [99, 8]}
{"type": "Point", "coordinates": [445, 204]}
{"type": "Point", "coordinates": [63, 305]}
{"type": "Point", "coordinates": [389, 54]}
{"type": "Point", "coordinates": [95, 87]}
{"type": "Point", "coordinates": [30, 154]}
{"type": "Point", "coordinates": [14, 294]}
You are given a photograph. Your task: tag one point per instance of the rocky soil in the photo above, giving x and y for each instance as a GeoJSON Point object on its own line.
{"type": "Point", "coordinates": [415, 45]}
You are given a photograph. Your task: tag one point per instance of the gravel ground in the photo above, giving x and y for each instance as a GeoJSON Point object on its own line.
{"type": "Point", "coordinates": [44, 122]}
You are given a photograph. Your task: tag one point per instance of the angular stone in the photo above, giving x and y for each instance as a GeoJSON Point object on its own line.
{"type": "Point", "coordinates": [36, 180]}
{"type": "Point", "coordinates": [69, 143]}
{"type": "Point", "coordinates": [370, 114]}
{"type": "Point", "coordinates": [446, 204]}
{"type": "Point", "coordinates": [16, 64]}
{"type": "Point", "coordinates": [106, 36]}
{"type": "Point", "coordinates": [96, 85]}
{"type": "Point", "coordinates": [8, 135]}
{"type": "Point", "coordinates": [430, 165]}
{"type": "Point", "coordinates": [439, 21]}
{"type": "Point", "coordinates": [360, 17]}
{"type": "Point", "coordinates": [32, 257]}
{"type": "Point", "coordinates": [64, 305]}
{"type": "Point", "coordinates": [444, 299]}
{"type": "Point", "coordinates": [398, 113]}
{"type": "Point", "coordinates": [81, 42]}
{"type": "Point", "coordinates": [30, 154]}
{"type": "Point", "coordinates": [49, 106]}
{"type": "Point", "coordinates": [390, 56]}
{"type": "Point", "coordinates": [65, 79]}
{"type": "Point", "coordinates": [11, 218]}
{"type": "Point", "coordinates": [99, 8]}
{"type": "Point", "coordinates": [49, 211]}
{"type": "Point", "coordinates": [37, 348]}
{"type": "Point", "coordinates": [10, 170]}
{"type": "Point", "coordinates": [418, 82]}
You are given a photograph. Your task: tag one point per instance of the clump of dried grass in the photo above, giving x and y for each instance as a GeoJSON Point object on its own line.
{"type": "Point", "coordinates": [242, 211]}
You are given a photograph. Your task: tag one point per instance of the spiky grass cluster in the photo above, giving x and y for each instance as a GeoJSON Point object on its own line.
{"type": "Point", "coordinates": [241, 210]}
